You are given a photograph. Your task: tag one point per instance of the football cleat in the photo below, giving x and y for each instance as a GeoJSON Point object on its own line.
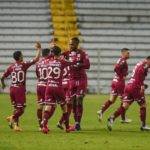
{"type": "Point", "coordinates": [100, 115]}
{"type": "Point", "coordinates": [126, 121]}
{"type": "Point", "coordinates": [110, 123]}
{"type": "Point", "coordinates": [17, 128]}
{"type": "Point", "coordinates": [40, 129]}
{"type": "Point", "coordinates": [145, 128]}
{"type": "Point", "coordinates": [45, 130]}
{"type": "Point", "coordinates": [59, 126]}
{"type": "Point", "coordinates": [10, 121]}
{"type": "Point", "coordinates": [77, 127]}
{"type": "Point", "coordinates": [70, 129]}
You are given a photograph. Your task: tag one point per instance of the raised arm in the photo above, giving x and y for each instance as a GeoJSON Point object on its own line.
{"type": "Point", "coordinates": [3, 82]}
{"type": "Point", "coordinates": [38, 53]}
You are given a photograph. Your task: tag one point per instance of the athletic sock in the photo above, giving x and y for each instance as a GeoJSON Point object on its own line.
{"type": "Point", "coordinates": [119, 111]}
{"type": "Point", "coordinates": [143, 115]}
{"type": "Point", "coordinates": [106, 106]}
{"type": "Point", "coordinates": [17, 114]}
{"type": "Point", "coordinates": [66, 120]}
{"type": "Point", "coordinates": [79, 112]}
{"type": "Point", "coordinates": [47, 115]}
{"type": "Point", "coordinates": [69, 109]}
{"type": "Point", "coordinates": [75, 112]}
{"type": "Point", "coordinates": [39, 116]}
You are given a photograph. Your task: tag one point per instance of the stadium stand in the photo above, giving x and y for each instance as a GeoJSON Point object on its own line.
{"type": "Point", "coordinates": [21, 24]}
{"type": "Point", "coordinates": [107, 26]}
{"type": "Point", "coordinates": [64, 21]}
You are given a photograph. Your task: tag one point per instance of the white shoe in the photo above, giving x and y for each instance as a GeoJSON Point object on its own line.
{"type": "Point", "coordinates": [145, 128]}
{"type": "Point", "coordinates": [126, 121]}
{"type": "Point", "coordinates": [110, 123]}
{"type": "Point", "coordinates": [100, 115]}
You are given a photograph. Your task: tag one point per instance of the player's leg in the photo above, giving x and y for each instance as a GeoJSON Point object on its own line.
{"type": "Point", "coordinates": [10, 118]}
{"type": "Point", "coordinates": [106, 105]}
{"type": "Point", "coordinates": [117, 113]}
{"type": "Point", "coordinates": [124, 118]}
{"type": "Point", "coordinates": [50, 105]}
{"type": "Point", "coordinates": [17, 114]}
{"type": "Point", "coordinates": [61, 100]}
{"type": "Point", "coordinates": [39, 114]}
{"type": "Point", "coordinates": [69, 106]}
{"type": "Point", "coordinates": [80, 93]}
{"type": "Point", "coordinates": [47, 114]}
{"type": "Point", "coordinates": [20, 100]}
{"type": "Point", "coordinates": [65, 116]}
{"type": "Point", "coordinates": [142, 104]}
{"type": "Point", "coordinates": [79, 112]}
{"type": "Point", "coordinates": [40, 103]}
{"type": "Point", "coordinates": [61, 121]}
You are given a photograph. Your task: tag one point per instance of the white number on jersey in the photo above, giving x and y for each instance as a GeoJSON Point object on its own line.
{"type": "Point", "coordinates": [17, 76]}
{"type": "Point", "coordinates": [54, 72]}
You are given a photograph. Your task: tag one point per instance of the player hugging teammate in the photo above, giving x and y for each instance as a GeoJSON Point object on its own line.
{"type": "Point", "coordinates": [61, 79]}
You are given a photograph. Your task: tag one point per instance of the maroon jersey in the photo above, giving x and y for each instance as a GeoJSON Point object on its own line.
{"type": "Point", "coordinates": [18, 71]}
{"type": "Point", "coordinates": [138, 74]}
{"type": "Point", "coordinates": [78, 71]}
{"type": "Point", "coordinates": [42, 71]}
{"type": "Point", "coordinates": [121, 69]}
{"type": "Point", "coordinates": [66, 72]}
{"type": "Point", "coordinates": [56, 70]}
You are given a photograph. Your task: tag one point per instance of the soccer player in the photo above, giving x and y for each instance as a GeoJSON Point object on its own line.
{"type": "Point", "coordinates": [41, 72]}
{"type": "Point", "coordinates": [134, 91]}
{"type": "Point", "coordinates": [117, 85]}
{"type": "Point", "coordinates": [17, 71]}
{"type": "Point", "coordinates": [54, 90]}
{"type": "Point", "coordinates": [78, 78]}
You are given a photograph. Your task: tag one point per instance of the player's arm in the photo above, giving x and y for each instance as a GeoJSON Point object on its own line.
{"type": "Point", "coordinates": [38, 53]}
{"type": "Point", "coordinates": [141, 78]}
{"type": "Point", "coordinates": [65, 55]}
{"type": "Point", "coordinates": [5, 75]}
{"type": "Point", "coordinates": [36, 58]}
{"type": "Point", "coordinates": [119, 69]}
{"type": "Point", "coordinates": [85, 64]}
{"type": "Point", "coordinates": [67, 63]}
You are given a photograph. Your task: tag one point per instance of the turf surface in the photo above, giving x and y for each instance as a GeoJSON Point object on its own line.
{"type": "Point", "coordinates": [94, 135]}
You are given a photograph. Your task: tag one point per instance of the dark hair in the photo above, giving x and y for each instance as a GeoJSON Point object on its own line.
{"type": "Point", "coordinates": [148, 57]}
{"type": "Point", "coordinates": [124, 49]}
{"type": "Point", "coordinates": [54, 40]}
{"type": "Point", "coordinates": [76, 39]}
{"type": "Point", "coordinates": [45, 52]}
{"type": "Point", "coordinates": [17, 55]}
{"type": "Point", "coordinates": [56, 50]}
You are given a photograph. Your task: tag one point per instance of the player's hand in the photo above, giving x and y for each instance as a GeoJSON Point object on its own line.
{"type": "Point", "coordinates": [3, 86]}
{"type": "Point", "coordinates": [37, 45]}
{"type": "Point", "coordinates": [145, 86]}
{"type": "Point", "coordinates": [142, 89]}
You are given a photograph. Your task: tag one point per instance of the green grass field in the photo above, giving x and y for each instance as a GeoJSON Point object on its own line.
{"type": "Point", "coordinates": [94, 135]}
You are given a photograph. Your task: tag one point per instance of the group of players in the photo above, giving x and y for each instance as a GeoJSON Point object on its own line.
{"type": "Point", "coordinates": [134, 90]}
{"type": "Point", "coordinates": [61, 78]}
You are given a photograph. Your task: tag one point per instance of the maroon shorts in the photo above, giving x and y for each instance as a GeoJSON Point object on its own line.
{"type": "Point", "coordinates": [41, 94]}
{"type": "Point", "coordinates": [18, 96]}
{"type": "Point", "coordinates": [117, 87]}
{"type": "Point", "coordinates": [54, 95]}
{"type": "Point", "coordinates": [133, 94]}
{"type": "Point", "coordinates": [78, 87]}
